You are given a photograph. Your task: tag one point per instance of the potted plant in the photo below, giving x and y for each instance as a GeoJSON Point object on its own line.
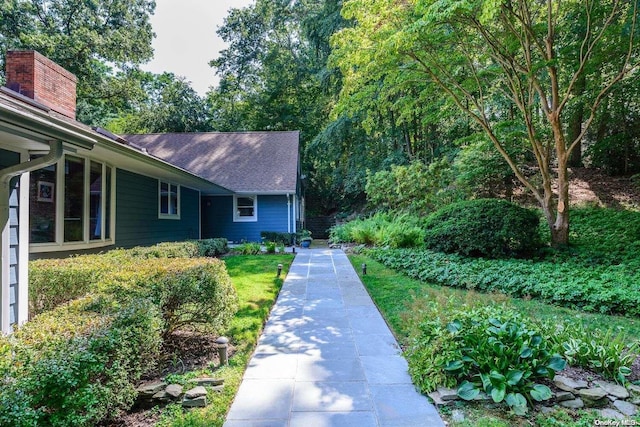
{"type": "Point", "coordinates": [305, 238]}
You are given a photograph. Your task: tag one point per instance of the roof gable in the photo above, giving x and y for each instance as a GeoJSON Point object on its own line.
{"type": "Point", "coordinates": [245, 162]}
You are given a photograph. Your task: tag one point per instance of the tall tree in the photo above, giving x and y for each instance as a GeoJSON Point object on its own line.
{"type": "Point", "coordinates": [273, 75]}
{"type": "Point", "coordinates": [169, 104]}
{"type": "Point", "coordinates": [98, 41]}
{"type": "Point", "coordinates": [487, 53]}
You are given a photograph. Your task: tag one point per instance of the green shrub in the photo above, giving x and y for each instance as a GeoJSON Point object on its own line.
{"type": "Point", "coordinates": [601, 351]}
{"type": "Point", "coordinates": [485, 227]}
{"type": "Point", "coordinates": [187, 249]}
{"type": "Point", "coordinates": [213, 247]}
{"type": "Point", "coordinates": [277, 237]}
{"type": "Point", "coordinates": [78, 364]}
{"type": "Point", "coordinates": [55, 281]}
{"type": "Point", "coordinates": [249, 248]}
{"type": "Point", "coordinates": [416, 188]}
{"type": "Point", "coordinates": [341, 233]}
{"type": "Point", "coordinates": [381, 229]}
{"type": "Point", "coordinates": [490, 349]}
{"type": "Point", "coordinates": [195, 293]}
{"type": "Point", "coordinates": [270, 247]}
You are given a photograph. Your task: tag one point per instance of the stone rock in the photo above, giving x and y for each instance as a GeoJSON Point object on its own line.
{"type": "Point", "coordinates": [598, 403]}
{"type": "Point", "coordinates": [608, 413]}
{"type": "Point", "coordinates": [195, 392]}
{"type": "Point", "coordinates": [626, 408]}
{"type": "Point", "coordinates": [437, 400]}
{"type": "Point", "coordinates": [547, 410]}
{"type": "Point", "coordinates": [573, 404]}
{"type": "Point", "coordinates": [206, 381]}
{"type": "Point", "coordinates": [447, 394]}
{"type": "Point", "coordinates": [564, 395]}
{"type": "Point", "coordinates": [613, 389]}
{"type": "Point", "coordinates": [217, 388]}
{"type": "Point", "coordinates": [635, 393]}
{"type": "Point", "coordinates": [196, 402]}
{"type": "Point", "coordinates": [592, 393]}
{"type": "Point", "coordinates": [483, 397]}
{"type": "Point", "coordinates": [174, 390]}
{"type": "Point", "coordinates": [162, 396]}
{"type": "Point", "coordinates": [568, 384]}
{"type": "Point", "coordinates": [149, 389]}
{"type": "Point", "coordinates": [457, 416]}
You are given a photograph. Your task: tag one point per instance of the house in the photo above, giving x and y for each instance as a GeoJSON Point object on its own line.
{"type": "Point", "coordinates": [68, 188]}
{"type": "Point", "coordinates": [262, 169]}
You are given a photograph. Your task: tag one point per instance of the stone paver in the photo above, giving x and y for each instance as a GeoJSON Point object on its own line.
{"type": "Point", "coordinates": [326, 358]}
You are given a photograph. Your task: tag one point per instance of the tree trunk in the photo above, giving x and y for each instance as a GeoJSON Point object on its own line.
{"type": "Point", "coordinates": [560, 227]}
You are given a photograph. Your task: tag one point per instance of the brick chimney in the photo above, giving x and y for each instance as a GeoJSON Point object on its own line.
{"type": "Point", "coordinates": [39, 78]}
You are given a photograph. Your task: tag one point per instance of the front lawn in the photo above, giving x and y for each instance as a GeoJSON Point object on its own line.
{"type": "Point", "coordinates": [254, 277]}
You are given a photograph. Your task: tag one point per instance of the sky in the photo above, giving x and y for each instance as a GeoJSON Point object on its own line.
{"type": "Point", "coordinates": [186, 38]}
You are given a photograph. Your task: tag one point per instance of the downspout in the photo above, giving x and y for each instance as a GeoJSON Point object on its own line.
{"type": "Point", "coordinates": [6, 174]}
{"type": "Point", "coordinates": [288, 213]}
{"type": "Point", "coordinates": [295, 213]}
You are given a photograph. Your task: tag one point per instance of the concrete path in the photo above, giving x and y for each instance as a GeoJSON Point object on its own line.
{"type": "Point", "coordinates": [326, 357]}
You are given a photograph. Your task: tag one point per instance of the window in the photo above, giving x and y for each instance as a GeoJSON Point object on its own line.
{"type": "Point", "coordinates": [70, 204]}
{"type": "Point", "coordinates": [245, 208]}
{"type": "Point", "coordinates": [169, 200]}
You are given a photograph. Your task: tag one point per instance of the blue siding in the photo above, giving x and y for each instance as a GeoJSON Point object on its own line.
{"type": "Point", "coordinates": [217, 218]}
{"type": "Point", "coordinates": [137, 221]}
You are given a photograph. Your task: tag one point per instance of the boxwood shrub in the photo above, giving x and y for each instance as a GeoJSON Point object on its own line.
{"type": "Point", "coordinates": [77, 364]}
{"type": "Point", "coordinates": [55, 281]}
{"type": "Point", "coordinates": [196, 293]}
{"type": "Point", "coordinates": [483, 228]}
{"type": "Point", "coordinates": [277, 237]}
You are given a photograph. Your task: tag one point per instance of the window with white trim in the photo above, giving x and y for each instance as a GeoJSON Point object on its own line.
{"type": "Point", "coordinates": [70, 204]}
{"type": "Point", "coordinates": [168, 200]}
{"type": "Point", "coordinates": [245, 208]}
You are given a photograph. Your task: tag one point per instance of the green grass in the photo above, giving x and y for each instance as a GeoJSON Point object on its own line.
{"type": "Point", "coordinates": [254, 277]}
{"type": "Point", "coordinates": [396, 295]}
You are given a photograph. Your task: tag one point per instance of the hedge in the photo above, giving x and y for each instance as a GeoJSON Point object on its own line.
{"type": "Point", "coordinates": [193, 292]}
{"type": "Point", "coordinates": [77, 364]}
{"type": "Point", "coordinates": [55, 281]}
{"type": "Point", "coordinates": [278, 237]}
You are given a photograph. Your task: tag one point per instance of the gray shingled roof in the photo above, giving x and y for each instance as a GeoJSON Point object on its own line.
{"type": "Point", "coordinates": [250, 162]}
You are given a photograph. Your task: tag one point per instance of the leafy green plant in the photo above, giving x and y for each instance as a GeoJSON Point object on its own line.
{"type": "Point", "coordinates": [603, 352]}
{"type": "Point", "coordinates": [484, 227]}
{"type": "Point", "coordinates": [488, 349]}
{"type": "Point", "coordinates": [597, 288]}
{"type": "Point", "coordinates": [416, 188]}
{"type": "Point", "coordinates": [249, 248]}
{"type": "Point", "coordinates": [277, 236]}
{"type": "Point", "coordinates": [381, 229]}
{"type": "Point", "coordinates": [78, 364]}
{"type": "Point", "coordinates": [213, 247]}
{"type": "Point", "coordinates": [270, 247]}
{"type": "Point", "coordinates": [503, 356]}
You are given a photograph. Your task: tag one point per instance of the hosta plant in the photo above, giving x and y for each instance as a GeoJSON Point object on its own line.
{"type": "Point", "coordinates": [502, 356]}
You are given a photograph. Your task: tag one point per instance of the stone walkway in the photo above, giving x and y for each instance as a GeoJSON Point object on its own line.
{"type": "Point", "coordinates": [326, 357]}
